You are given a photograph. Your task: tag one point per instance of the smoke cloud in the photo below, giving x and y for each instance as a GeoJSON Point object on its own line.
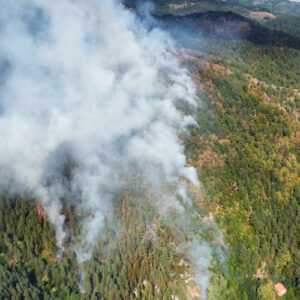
{"type": "Point", "coordinates": [88, 97]}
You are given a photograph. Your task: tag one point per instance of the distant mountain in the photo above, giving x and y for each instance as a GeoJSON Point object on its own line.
{"type": "Point", "coordinates": [282, 15]}
{"type": "Point", "coordinates": [279, 7]}
{"type": "Point", "coordinates": [231, 26]}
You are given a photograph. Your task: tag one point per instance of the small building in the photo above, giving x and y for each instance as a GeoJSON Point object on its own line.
{"type": "Point", "coordinates": [280, 289]}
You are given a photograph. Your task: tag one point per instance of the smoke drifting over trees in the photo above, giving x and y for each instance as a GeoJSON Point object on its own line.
{"type": "Point", "coordinates": [88, 100]}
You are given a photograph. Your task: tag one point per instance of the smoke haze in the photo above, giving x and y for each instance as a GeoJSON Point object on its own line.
{"type": "Point", "coordinates": [88, 98]}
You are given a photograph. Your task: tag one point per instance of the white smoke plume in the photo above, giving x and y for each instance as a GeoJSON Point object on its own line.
{"type": "Point", "coordinates": [88, 97]}
{"type": "Point", "coordinates": [200, 255]}
{"type": "Point", "coordinates": [84, 83]}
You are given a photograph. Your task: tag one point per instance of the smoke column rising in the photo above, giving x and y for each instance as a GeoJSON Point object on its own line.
{"type": "Point", "coordinates": [88, 96]}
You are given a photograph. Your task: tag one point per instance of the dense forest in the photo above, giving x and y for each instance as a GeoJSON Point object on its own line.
{"type": "Point", "coordinates": [138, 256]}
{"type": "Point", "coordinates": [246, 149]}
{"type": "Point", "coordinates": [247, 153]}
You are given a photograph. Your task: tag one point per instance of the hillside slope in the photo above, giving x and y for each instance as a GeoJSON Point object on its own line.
{"type": "Point", "coordinates": [230, 26]}
{"type": "Point", "coordinates": [246, 149]}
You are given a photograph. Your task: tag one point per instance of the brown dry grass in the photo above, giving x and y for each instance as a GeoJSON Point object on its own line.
{"type": "Point", "coordinates": [182, 5]}
{"type": "Point", "coordinates": [260, 15]}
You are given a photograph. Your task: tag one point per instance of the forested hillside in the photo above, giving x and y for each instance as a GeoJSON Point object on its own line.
{"type": "Point", "coordinates": [282, 15]}
{"type": "Point", "coordinates": [138, 256]}
{"type": "Point", "coordinates": [246, 150]}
